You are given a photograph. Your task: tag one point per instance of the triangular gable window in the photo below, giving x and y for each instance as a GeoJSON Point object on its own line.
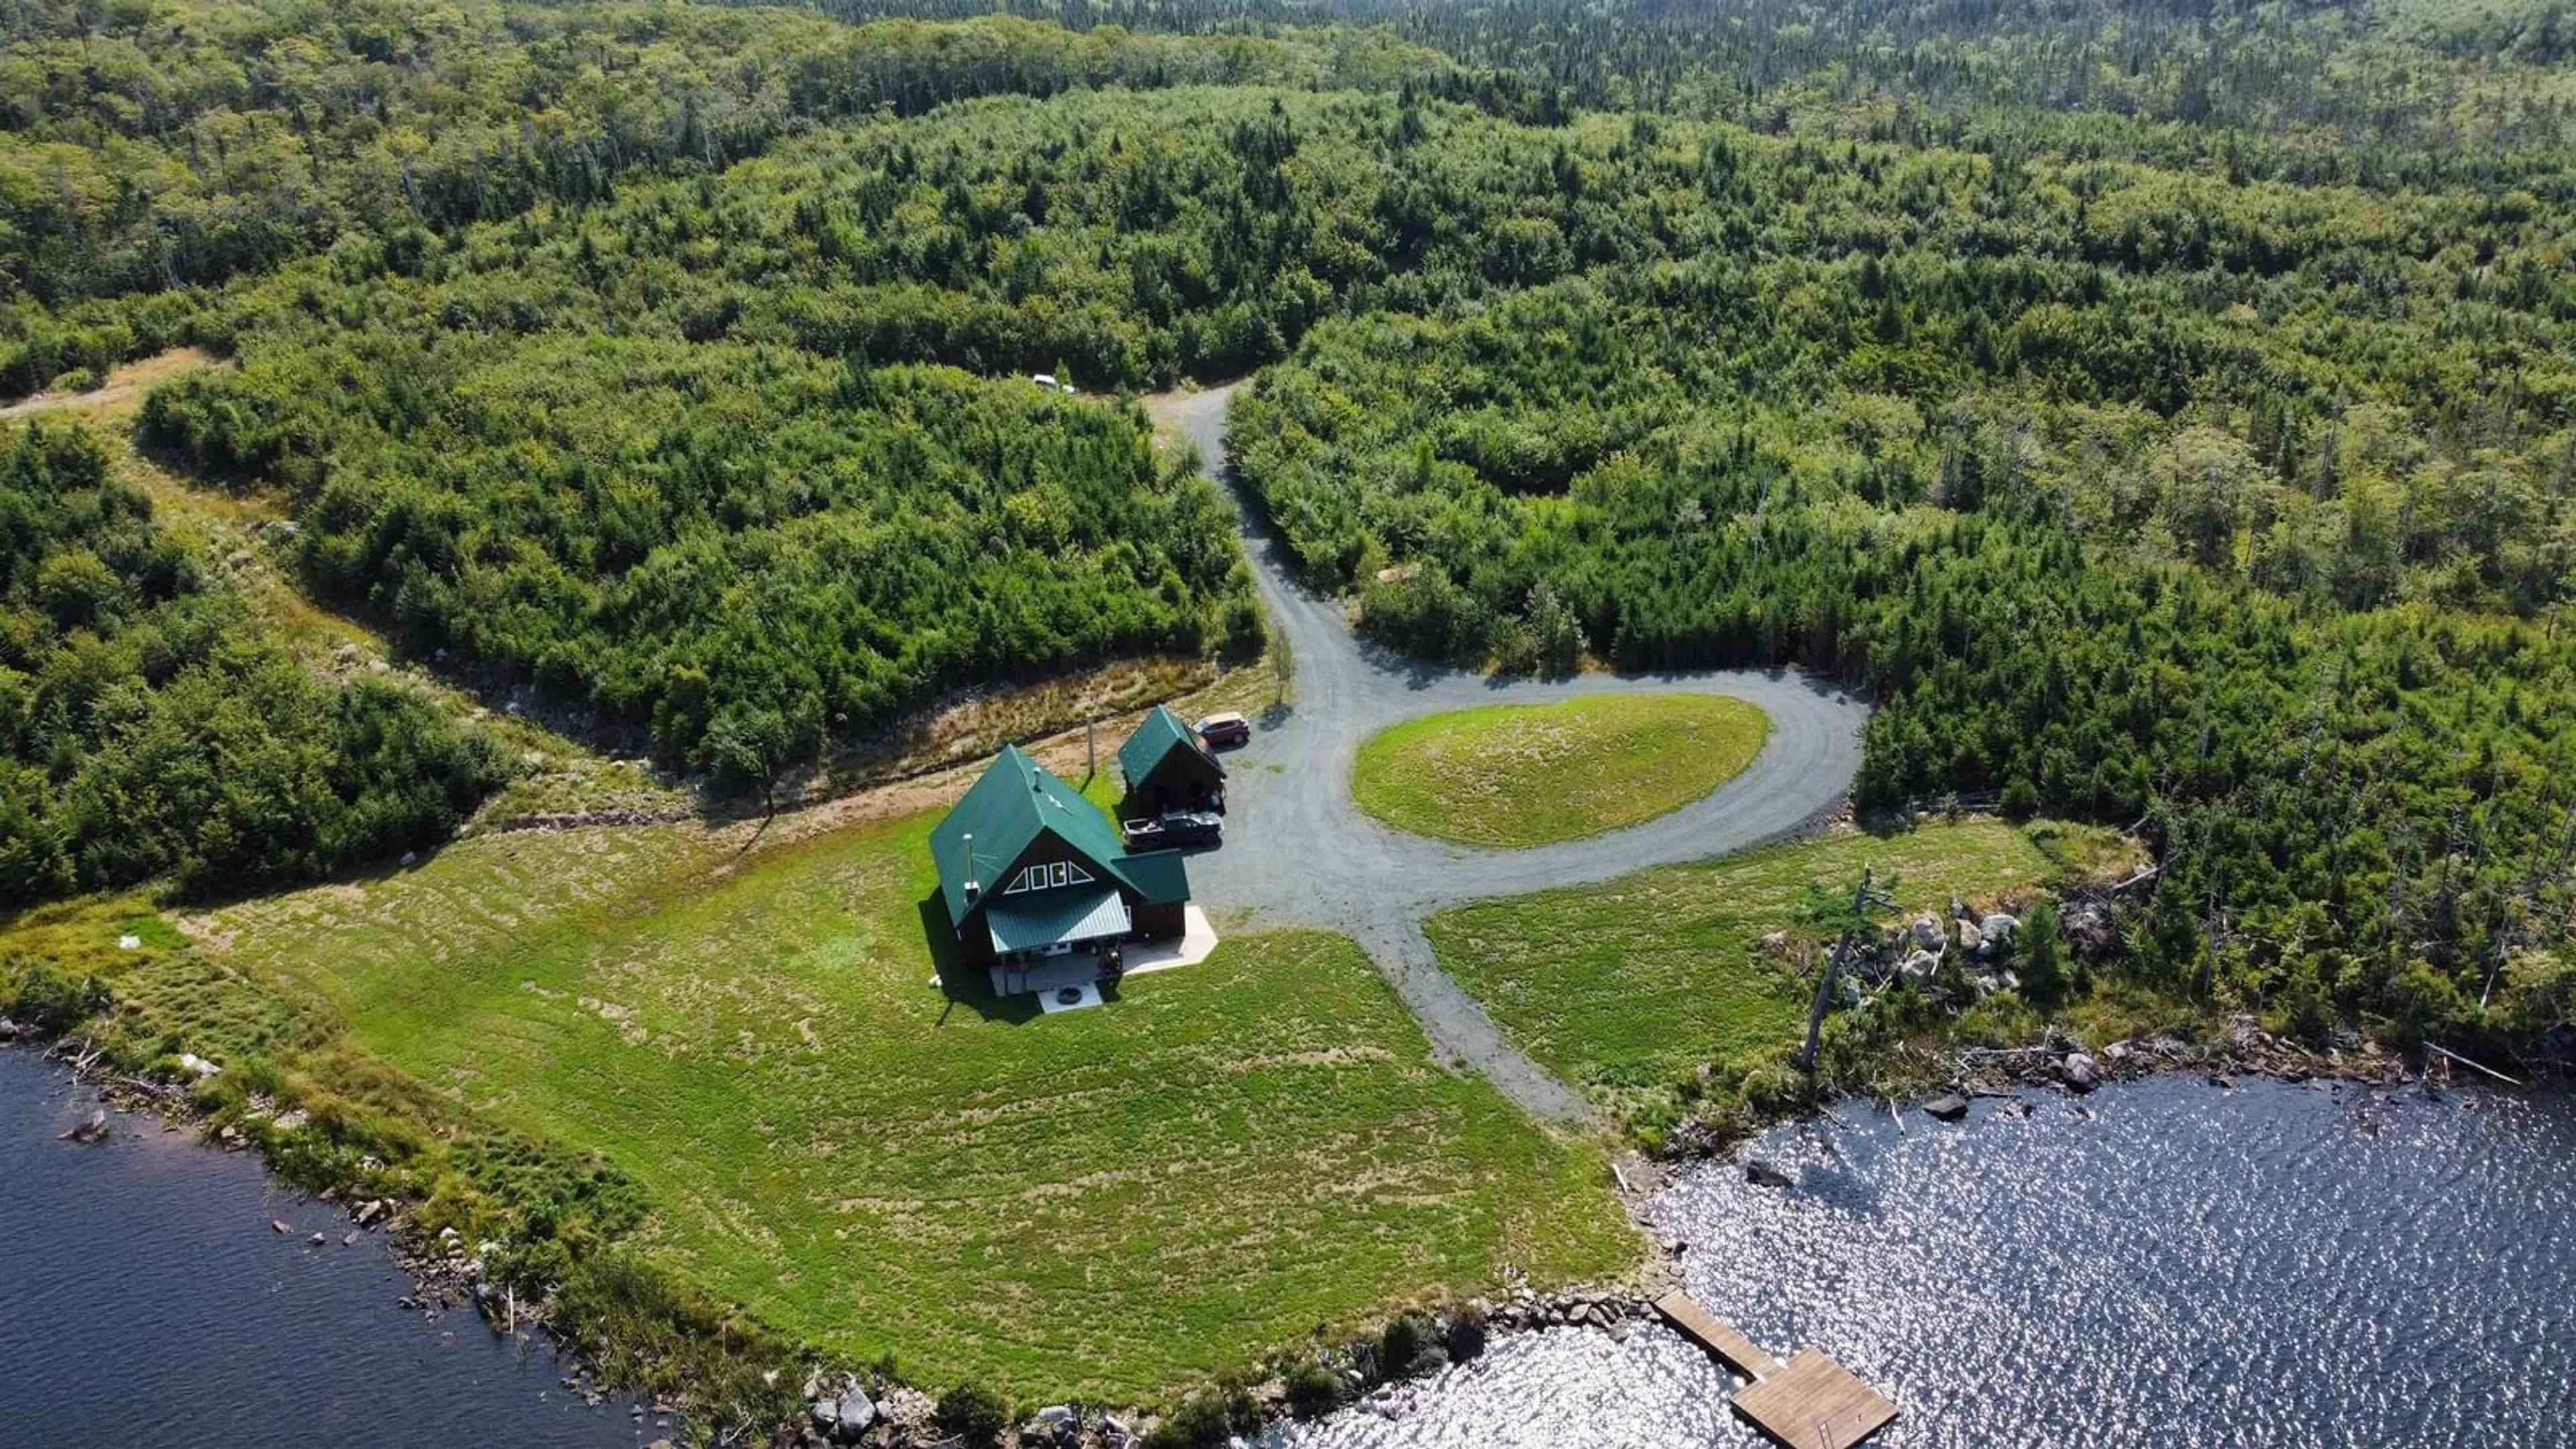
{"type": "Point", "coordinates": [1047, 877]}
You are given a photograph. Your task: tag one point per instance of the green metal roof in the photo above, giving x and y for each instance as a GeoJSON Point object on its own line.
{"type": "Point", "coordinates": [1158, 734]}
{"type": "Point", "coordinates": [1005, 811]}
{"type": "Point", "coordinates": [1017, 800]}
{"type": "Point", "coordinates": [1042, 918]}
{"type": "Point", "coordinates": [1162, 877]}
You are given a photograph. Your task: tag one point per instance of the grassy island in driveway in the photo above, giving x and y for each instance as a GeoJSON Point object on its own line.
{"type": "Point", "coordinates": [1518, 775]}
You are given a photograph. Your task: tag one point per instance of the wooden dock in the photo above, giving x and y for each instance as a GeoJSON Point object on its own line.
{"type": "Point", "coordinates": [1810, 1402]}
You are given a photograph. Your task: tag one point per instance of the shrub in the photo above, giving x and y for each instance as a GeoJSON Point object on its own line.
{"type": "Point", "coordinates": [1313, 1390]}
{"type": "Point", "coordinates": [2306, 1014]}
{"type": "Point", "coordinates": [1206, 1420]}
{"type": "Point", "coordinates": [973, 1413]}
{"type": "Point", "coordinates": [2040, 958]}
{"type": "Point", "coordinates": [51, 1001]}
{"type": "Point", "coordinates": [1244, 632]}
{"type": "Point", "coordinates": [1398, 1345]}
{"type": "Point", "coordinates": [1465, 1336]}
{"type": "Point", "coordinates": [1555, 635]}
{"type": "Point", "coordinates": [2021, 799]}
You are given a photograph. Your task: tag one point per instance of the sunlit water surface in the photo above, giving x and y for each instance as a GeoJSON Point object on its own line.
{"type": "Point", "coordinates": [2161, 1264]}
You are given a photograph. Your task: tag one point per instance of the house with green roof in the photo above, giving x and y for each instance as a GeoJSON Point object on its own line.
{"type": "Point", "coordinates": [1168, 767]}
{"type": "Point", "coordinates": [1039, 886]}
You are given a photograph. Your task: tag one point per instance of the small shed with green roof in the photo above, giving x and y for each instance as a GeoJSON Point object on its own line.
{"type": "Point", "coordinates": [1168, 767]}
{"type": "Point", "coordinates": [1034, 876]}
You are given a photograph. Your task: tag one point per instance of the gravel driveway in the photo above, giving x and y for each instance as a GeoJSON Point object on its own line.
{"type": "Point", "coordinates": [1298, 851]}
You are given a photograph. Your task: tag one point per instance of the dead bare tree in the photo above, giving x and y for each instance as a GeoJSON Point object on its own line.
{"type": "Point", "coordinates": [1853, 925]}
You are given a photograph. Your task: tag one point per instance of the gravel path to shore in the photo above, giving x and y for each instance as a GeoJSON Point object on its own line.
{"type": "Point", "coordinates": [1298, 851]}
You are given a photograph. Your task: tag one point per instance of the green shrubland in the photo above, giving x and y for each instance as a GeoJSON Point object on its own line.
{"type": "Point", "coordinates": [2158, 440]}
{"type": "Point", "coordinates": [150, 729]}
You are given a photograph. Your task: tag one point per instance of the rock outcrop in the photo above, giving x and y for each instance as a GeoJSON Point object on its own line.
{"type": "Point", "coordinates": [1762, 1173]}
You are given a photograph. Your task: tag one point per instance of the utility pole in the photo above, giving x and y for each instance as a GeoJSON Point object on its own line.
{"type": "Point", "coordinates": [1867, 898]}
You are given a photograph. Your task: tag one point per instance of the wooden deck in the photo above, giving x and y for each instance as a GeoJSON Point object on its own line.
{"type": "Point", "coordinates": [1811, 1402]}
{"type": "Point", "coordinates": [1815, 1403]}
{"type": "Point", "coordinates": [1723, 1339]}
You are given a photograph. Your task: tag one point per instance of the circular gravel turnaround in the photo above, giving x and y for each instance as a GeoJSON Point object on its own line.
{"type": "Point", "coordinates": [1300, 852]}
{"type": "Point", "coordinates": [1517, 775]}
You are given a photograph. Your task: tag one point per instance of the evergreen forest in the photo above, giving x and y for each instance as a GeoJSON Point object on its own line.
{"type": "Point", "coordinates": [2163, 410]}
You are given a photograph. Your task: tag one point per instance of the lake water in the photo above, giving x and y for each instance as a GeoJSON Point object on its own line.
{"type": "Point", "coordinates": [2161, 1264]}
{"type": "Point", "coordinates": [145, 1299]}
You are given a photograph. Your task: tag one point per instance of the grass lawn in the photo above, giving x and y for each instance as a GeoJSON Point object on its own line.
{"type": "Point", "coordinates": [1527, 774]}
{"type": "Point", "coordinates": [1631, 983]}
{"type": "Point", "coordinates": [1111, 1203]}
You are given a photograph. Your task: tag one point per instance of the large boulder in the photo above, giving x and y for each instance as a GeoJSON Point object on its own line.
{"type": "Point", "coordinates": [2080, 1072]}
{"type": "Point", "coordinates": [1948, 1107]}
{"type": "Point", "coordinates": [1998, 929]}
{"type": "Point", "coordinates": [1927, 933]}
{"type": "Point", "coordinates": [2090, 930]}
{"type": "Point", "coordinates": [855, 1412]}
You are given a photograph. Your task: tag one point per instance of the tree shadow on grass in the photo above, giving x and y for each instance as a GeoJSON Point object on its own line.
{"type": "Point", "coordinates": [962, 983]}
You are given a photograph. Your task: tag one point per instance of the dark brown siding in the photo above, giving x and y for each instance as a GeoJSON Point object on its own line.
{"type": "Point", "coordinates": [1184, 780]}
{"type": "Point", "coordinates": [1047, 849]}
{"type": "Point", "coordinates": [974, 942]}
{"type": "Point", "coordinates": [1158, 923]}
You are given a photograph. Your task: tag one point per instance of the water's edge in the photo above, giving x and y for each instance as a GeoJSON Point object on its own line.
{"type": "Point", "coordinates": [2166, 1262]}
{"type": "Point", "coordinates": [148, 1263]}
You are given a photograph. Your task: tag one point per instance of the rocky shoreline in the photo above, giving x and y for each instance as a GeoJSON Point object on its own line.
{"type": "Point", "coordinates": [2058, 1062]}
{"type": "Point", "coordinates": [842, 1407]}
{"type": "Point", "coordinates": [2064, 1062]}
{"type": "Point", "coordinates": [868, 1410]}
{"type": "Point", "coordinates": [863, 1408]}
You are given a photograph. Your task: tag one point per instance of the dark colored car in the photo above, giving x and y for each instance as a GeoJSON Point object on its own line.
{"type": "Point", "coordinates": [1174, 828]}
{"type": "Point", "coordinates": [1223, 730]}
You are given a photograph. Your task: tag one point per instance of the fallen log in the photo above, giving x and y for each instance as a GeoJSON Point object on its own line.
{"type": "Point", "coordinates": [2449, 1055]}
{"type": "Point", "coordinates": [2137, 878]}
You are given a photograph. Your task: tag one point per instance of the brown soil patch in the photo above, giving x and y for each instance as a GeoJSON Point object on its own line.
{"type": "Point", "coordinates": [123, 391]}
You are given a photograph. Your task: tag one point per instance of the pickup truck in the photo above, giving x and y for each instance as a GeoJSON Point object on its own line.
{"type": "Point", "coordinates": [1176, 827]}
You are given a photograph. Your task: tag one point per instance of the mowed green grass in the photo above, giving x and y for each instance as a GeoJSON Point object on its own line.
{"type": "Point", "coordinates": [1526, 774]}
{"type": "Point", "coordinates": [1112, 1203]}
{"type": "Point", "coordinates": [1630, 983]}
